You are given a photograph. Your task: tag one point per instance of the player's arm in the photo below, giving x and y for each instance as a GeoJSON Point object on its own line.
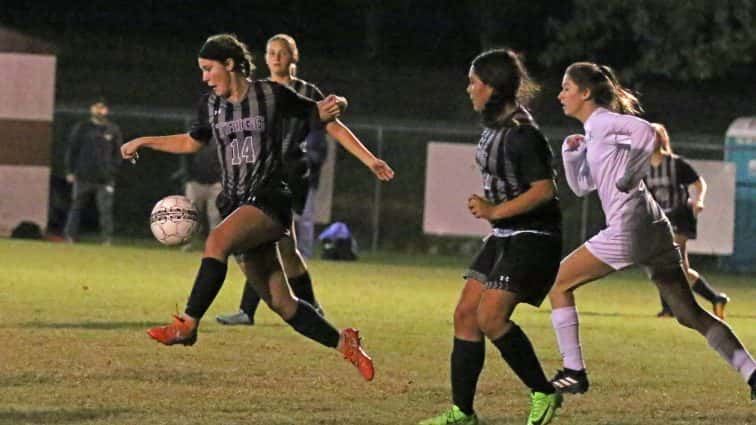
{"type": "Point", "coordinates": [576, 170]}
{"type": "Point", "coordinates": [349, 141]}
{"type": "Point", "coordinates": [642, 141]}
{"type": "Point", "coordinates": [175, 143]}
{"type": "Point", "coordinates": [540, 192]}
{"type": "Point", "coordinates": [698, 200]}
{"type": "Point", "coordinates": [532, 156]}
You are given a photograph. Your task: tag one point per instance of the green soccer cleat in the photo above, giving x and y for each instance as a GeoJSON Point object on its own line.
{"type": "Point", "coordinates": [543, 407]}
{"type": "Point", "coordinates": [453, 416]}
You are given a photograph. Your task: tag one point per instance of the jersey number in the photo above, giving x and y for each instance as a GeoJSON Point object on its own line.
{"type": "Point", "coordinates": [246, 154]}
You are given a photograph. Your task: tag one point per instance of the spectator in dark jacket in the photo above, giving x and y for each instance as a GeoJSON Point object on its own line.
{"type": "Point", "coordinates": [91, 162]}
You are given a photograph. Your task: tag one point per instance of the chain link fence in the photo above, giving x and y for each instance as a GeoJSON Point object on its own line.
{"type": "Point", "coordinates": [385, 216]}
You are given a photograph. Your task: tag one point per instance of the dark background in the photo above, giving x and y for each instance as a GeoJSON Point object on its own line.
{"type": "Point", "coordinates": [399, 63]}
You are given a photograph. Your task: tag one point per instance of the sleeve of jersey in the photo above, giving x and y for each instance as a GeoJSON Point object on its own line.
{"type": "Point", "coordinates": [200, 128]}
{"type": "Point", "coordinates": [534, 155]}
{"type": "Point", "coordinates": [641, 137]}
{"type": "Point", "coordinates": [685, 172]}
{"type": "Point", "coordinates": [295, 106]}
{"type": "Point", "coordinates": [576, 170]}
{"type": "Point", "coordinates": [317, 94]}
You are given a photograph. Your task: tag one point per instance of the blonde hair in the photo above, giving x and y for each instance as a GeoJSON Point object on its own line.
{"type": "Point", "coordinates": [291, 45]}
{"type": "Point", "coordinates": [663, 144]}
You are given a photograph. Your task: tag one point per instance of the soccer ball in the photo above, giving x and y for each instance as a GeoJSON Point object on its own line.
{"type": "Point", "coordinates": [173, 220]}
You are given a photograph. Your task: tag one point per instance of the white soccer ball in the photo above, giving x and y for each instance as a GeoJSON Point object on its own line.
{"type": "Point", "coordinates": [174, 219]}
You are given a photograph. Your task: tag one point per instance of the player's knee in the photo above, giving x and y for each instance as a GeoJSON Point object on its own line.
{"type": "Point", "coordinates": [216, 245]}
{"type": "Point", "coordinates": [491, 322]}
{"type": "Point", "coordinates": [465, 315]}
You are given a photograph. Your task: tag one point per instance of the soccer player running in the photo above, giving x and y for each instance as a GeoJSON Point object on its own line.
{"type": "Point", "coordinates": [282, 56]}
{"type": "Point", "coordinates": [520, 258]}
{"type": "Point", "coordinates": [613, 157]}
{"type": "Point", "coordinates": [668, 180]}
{"type": "Point", "coordinates": [252, 121]}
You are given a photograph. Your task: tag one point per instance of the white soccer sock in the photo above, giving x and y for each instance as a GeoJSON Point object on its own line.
{"type": "Point", "coordinates": [567, 328]}
{"type": "Point", "coordinates": [721, 338]}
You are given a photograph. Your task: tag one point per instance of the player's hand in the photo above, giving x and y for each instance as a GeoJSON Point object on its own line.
{"type": "Point", "coordinates": [329, 108]}
{"type": "Point", "coordinates": [382, 170]}
{"type": "Point", "coordinates": [480, 207]}
{"type": "Point", "coordinates": [129, 150]}
{"type": "Point", "coordinates": [697, 207]}
{"type": "Point", "coordinates": [574, 141]}
{"type": "Point", "coordinates": [70, 178]}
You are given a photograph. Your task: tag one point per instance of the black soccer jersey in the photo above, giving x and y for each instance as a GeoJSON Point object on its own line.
{"type": "Point", "coordinates": [251, 134]}
{"type": "Point", "coordinates": [668, 182]}
{"type": "Point", "coordinates": [311, 91]}
{"type": "Point", "coordinates": [511, 156]}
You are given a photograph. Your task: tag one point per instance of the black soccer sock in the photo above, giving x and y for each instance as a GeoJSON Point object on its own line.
{"type": "Point", "coordinates": [302, 287]}
{"type": "Point", "coordinates": [702, 288]}
{"type": "Point", "coordinates": [249, 301]}
{"type": "Point", "coordinates": [665, 306]}
{"type": "Point", "coordinates": [467, 360]}
{"type": "Point", "coordinates": [517, 351]}
{"type": "Point", "coordinates": [312, 325]}
{"type": "Point", "coordinates": [209, 280]}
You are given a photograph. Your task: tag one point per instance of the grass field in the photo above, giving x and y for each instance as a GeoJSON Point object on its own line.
{"type": "Point", "coordinates": [73, 347]}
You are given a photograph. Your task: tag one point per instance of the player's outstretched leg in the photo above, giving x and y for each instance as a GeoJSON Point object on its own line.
{"type": "Point", "coordinates": [671, 282]}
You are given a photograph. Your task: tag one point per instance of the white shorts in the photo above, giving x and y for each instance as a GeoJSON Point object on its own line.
{"type": "Point", "coordinates": [645, 239]}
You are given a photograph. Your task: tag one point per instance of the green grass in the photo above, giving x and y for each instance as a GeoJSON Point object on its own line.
{"type": "Point", "coordinates": [73, 348]}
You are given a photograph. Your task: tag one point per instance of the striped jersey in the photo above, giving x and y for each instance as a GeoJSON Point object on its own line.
{"type": "Point", "coordinates": [668, 182]}
{"type": "Point", "coordinates": [510, 157]}
{"type": "Point", "coordinates": [310, 91]}
{"type": "Point", "coordinates": [251, 135]}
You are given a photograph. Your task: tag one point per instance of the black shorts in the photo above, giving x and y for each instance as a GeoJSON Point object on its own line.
{"type": "Point", "coordinates": [525, 263]}
{"type": "Point", "coordinates": [274, 203]}
{"type": "Point", "coordinates": [684, 222]}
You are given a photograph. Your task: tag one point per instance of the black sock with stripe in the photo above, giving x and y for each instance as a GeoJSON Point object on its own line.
{"type": "Point", "coordinates": [309, 323]}
{"type": "Point", "coordinates": [702, 288]}
{"type": "Point", "coordinates": [518, 352]}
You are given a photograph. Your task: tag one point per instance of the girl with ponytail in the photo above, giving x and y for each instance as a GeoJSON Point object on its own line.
{"type": "Point", "coordinates": [612, 157]}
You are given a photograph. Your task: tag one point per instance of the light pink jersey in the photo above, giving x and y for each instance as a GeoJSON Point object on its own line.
{"type": "Point", "coordinates": [613, 158]}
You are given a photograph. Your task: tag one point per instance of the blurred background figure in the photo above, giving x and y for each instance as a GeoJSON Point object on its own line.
{"type": "Point", "coordinates": [200, 174]}
{"type": "Point", "coordinates": [304, 223]}
{"type": "Point", "coordinates": [668, 180]}
{"type": "Point", "coordinates": [91, 163]}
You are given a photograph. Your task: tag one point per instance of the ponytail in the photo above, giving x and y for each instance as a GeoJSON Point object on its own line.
{"type": "Point", "coordinates": [605, 88]}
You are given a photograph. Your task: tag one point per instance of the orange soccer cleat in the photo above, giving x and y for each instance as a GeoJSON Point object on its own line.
{"type": "Point", "coordinates": [181, 331]}
{"type": "Point", "coordinates": [352, 351]}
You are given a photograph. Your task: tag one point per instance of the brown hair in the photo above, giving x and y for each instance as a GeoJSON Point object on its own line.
{"type": "Point", "coordinates": [503, 70]}
{"type": "Point", "coordinates": [604, 86]}
{"type": "Point", "coordinates": [221, 47]}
